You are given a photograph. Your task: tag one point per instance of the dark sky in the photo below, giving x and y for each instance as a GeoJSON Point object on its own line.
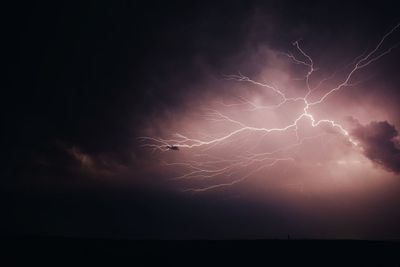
{"type": "Point", "coordinates": [83, 79]}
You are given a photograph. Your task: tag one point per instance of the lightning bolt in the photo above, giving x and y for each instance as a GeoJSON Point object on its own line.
{"type": "Point", "coordinates": [206, 166]}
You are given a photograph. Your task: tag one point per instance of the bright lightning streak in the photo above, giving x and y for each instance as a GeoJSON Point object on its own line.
{"type": "Point", "coordinates": [208, 167]}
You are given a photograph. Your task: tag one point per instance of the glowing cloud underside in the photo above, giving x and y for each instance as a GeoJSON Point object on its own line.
{"type": "Point", "coordinates": [243, 165]}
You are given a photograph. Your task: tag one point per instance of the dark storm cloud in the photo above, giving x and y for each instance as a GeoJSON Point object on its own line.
{"type": "Point", "coordinates": [380, 141]}
{"type": "Point", "coordinates": [90, 74]}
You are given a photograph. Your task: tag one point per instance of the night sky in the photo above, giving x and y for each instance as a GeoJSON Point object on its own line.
{"type": "Point", "coordinates": [84, 82]}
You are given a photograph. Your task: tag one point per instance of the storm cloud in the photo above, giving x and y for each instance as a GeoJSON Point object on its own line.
{"type": "Point", "coordinates": [84, 81]}
{"type": "Point", "coordinates": [380, 142]}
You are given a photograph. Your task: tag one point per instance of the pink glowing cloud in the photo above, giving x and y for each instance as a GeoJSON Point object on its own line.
{"type": "Point", "coordinates": [275, 126]}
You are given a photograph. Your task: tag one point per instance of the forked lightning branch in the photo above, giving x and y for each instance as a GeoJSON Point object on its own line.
{"type": "Point", "coordinates": [212, 166]}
